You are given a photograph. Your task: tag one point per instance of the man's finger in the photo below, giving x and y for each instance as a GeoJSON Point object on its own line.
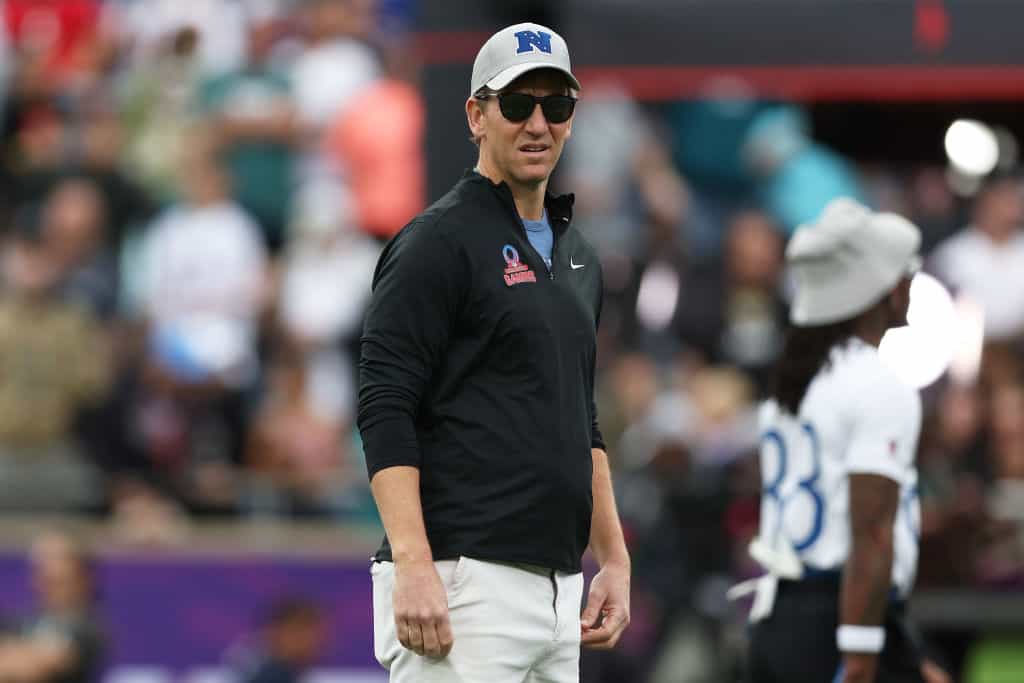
{"type": "Point", "coordinates": [415, 638]}
{"type": "Point", "coordinates": [607, 635]}
{"type": "Point", "coordinates": [601, 638]}
{"type": "Point", "coordinates": [595, 603]}
{"type": "Point", "coordinates": [444, 636]}
{"type": "Point", "coordinates": [402, 630]}
{"type": "Point", "coordinates": [431, 644]}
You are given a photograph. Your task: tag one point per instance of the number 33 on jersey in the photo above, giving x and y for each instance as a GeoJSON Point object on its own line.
{"type": "Point", "coordinates": [857, 417]}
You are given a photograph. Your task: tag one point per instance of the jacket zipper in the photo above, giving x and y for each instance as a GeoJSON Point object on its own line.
{"type": "Point", "coordinates": [554, 247]}
{"type": "Point", "coordinates": [554, 239]}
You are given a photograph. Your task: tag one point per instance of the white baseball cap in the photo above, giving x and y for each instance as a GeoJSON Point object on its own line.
{"type": "Point", "coordinates": [848, 260]}
{"type": "Point", "coordinates": [516, 49]}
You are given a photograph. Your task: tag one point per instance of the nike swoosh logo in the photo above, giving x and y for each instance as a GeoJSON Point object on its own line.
{"type": "Point", "coordinates": [575, 266]}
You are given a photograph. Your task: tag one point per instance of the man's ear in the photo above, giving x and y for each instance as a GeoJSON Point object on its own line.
{"type": "Point", "coordinates": [568, 128]}
{"type": "Point", "coordinates": [475, 117]}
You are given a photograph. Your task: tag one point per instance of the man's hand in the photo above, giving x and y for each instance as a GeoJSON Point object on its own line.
{"type": "Point", "coordinates": [859, 667]}
{"type": "Point", "coordinates": [932, 673]}
{"type": "Point", "coordinates": [608, 599]}
{"type": "Point", "coordinates": [421, 609]}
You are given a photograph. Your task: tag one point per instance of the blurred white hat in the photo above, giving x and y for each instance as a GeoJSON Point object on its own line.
{"type": "Point", "coordinates": [516, 49]}
{"type": "Point", "coordinates": [847, 260]}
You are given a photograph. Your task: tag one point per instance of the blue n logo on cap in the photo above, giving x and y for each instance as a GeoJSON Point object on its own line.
{"type": "Point", "coordinates": [528, 40]}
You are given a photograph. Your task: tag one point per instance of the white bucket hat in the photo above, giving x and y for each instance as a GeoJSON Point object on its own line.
{"type": "Point", "coordinates": [516, 49]}
{"type": "Point", "coordinates": [847, 260]}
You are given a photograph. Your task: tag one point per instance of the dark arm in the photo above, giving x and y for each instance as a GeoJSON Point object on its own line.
{"type": "Point", "coordinates": [867, 576]}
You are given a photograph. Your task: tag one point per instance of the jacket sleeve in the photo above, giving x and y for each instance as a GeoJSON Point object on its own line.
{"type": "Point", "coordinates": [596, 438]}
{"type": "Point", "coordinates": [417, 292]}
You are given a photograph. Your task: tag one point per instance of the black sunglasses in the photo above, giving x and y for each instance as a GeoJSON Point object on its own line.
{"type": "Point", "coordinates": [518, 106]}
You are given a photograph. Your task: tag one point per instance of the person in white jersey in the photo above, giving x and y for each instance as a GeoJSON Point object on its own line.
{"type": "Point", "coordinates": [839, 509]}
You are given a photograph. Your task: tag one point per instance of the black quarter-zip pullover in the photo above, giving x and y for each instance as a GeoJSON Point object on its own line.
{"type": "Point", "coordinates": [477, 367]}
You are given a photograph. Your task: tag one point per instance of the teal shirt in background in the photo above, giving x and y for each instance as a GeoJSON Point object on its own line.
{"type": "Point", "coordinates": [261, 170]}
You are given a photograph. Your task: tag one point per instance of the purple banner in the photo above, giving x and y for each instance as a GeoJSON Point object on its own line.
{"type": "Point", "coordinates": [179, 613]}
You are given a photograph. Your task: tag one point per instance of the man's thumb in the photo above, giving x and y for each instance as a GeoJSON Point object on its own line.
{"type": "Point", "coordinates": [593, 609]}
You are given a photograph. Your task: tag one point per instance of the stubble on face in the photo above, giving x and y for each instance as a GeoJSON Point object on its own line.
{"type": "Point", "coordinates": [525, 153]}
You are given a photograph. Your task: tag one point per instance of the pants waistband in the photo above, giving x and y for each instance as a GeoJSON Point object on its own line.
{"type": "Point", "coordinates": [828, 581]}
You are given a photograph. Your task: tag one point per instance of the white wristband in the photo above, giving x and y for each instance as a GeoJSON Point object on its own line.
{"type": "Point", "coordinates": [860, 638]}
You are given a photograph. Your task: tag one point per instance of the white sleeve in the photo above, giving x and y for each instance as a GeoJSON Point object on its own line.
{"type": "Point", "coordinates": [886, 425]}
{"type": "Point", "coordinates": [144, 288]}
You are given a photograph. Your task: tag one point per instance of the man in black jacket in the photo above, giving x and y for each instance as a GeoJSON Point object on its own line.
{"type": "Point", "coordinates": [476, 405]}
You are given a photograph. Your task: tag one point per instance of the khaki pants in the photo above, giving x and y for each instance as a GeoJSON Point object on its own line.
{"type": "Point", "coordinates": [510, 625]}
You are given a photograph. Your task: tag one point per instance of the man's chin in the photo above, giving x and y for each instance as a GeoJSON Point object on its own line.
{"type": "Point", "coordinates": [533, 174]}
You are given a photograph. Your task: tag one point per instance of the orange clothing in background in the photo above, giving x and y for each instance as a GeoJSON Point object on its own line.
{"type": "Point", "coordinates": [378, 139]}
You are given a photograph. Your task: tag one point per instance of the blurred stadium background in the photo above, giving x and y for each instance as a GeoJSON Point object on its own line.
{"type": "Point", "coordinates": [193, 194]}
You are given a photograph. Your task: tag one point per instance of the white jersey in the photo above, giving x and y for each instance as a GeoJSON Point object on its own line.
{"type": "Point", "coordinates": [856, 417]}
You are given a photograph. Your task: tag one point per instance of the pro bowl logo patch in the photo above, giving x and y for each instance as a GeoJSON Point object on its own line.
{"type": "Point", "coordinates": [516, 272]}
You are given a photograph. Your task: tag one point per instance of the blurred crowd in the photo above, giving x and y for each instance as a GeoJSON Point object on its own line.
{"type": "Point", "coordinates": [193, 196]}
{"type": "Point", "coordinates": [692, 237]}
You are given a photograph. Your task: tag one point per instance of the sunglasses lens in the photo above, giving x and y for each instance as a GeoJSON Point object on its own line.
{"type": "Point", "coordinates": [558, 108]}
{"type": "Point", "coordinates": [516, 106]}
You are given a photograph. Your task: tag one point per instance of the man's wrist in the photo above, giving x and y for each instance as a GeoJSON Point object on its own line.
{"type": "Point", "coordinates": [617, 560]}
{"type": "Point", "coordinates": [851, 638]}
{"type": "Point", "coordinates": [411, 555]}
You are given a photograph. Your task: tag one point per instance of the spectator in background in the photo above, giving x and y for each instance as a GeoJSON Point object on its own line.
{"type": "Point", "coordinates": [954, 474]}
{"type": "Point", "coordinates": [101, 149]}
{"type": "Point", "coordinates": [88, 148]}
{"type": "Point", "coordinates": [300, 447]}
{"type": "Point", "coordinates": [54, 361]}
{"type": "Point", "coordinates": [1003, 562]}
{"type": "Point", "coordinates": [337, 62]}
{"type": "Point", "coordinates": [157, 109]}
{"type": "Point", "coordinates": [933, 207]}
{"type": "Point", "coordinates": [625, 396]}
{"type": "Point", "coordinates": [292, 639]}
{"type": "Point", "coordinates": [255, 125]}
{"type": "Point", "coordinates": [38, 154]}
{"type": "Point", "coordinates": [73, 225]}
{"type": "Point", "coordinates": [621, 169]}
{"type": "Point", "coordinates": [709, 408]}
{"type": "Point", "coordinates": [62, 642]}
{"type": "Point", "coordinates": [624, 180]}
{"type": "Point", "coordinates": [201, 294]}
{"type": "Point", "coordinates": [326, 273]}
{"type": "Point", "coordinates": [707, 135]}
{"type": "Point", "coordinates": [325, 286]}
{"type": "Point", "coordinates": [794, 176]}
{"type": "Point", "coordinates": [204, 269]}
{"type": "Point", "coordinates": [644, 282]}
{"type": "Point", "coordinates": [986, 260]}
{"type": "Point", "coordinates": [377, 142]}
{"type": "Point", "coordinates": [674, 495]}
{"type": "Point", "coordinates": [219, 26]}
{"type": "Point", "coordinates": [736, 316]}
{"type": "Point", "coordinates": [59, 44]}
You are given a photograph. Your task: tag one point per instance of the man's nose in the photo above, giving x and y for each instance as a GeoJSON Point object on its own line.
{"type": "Point", "coordinates": [537, 124]}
